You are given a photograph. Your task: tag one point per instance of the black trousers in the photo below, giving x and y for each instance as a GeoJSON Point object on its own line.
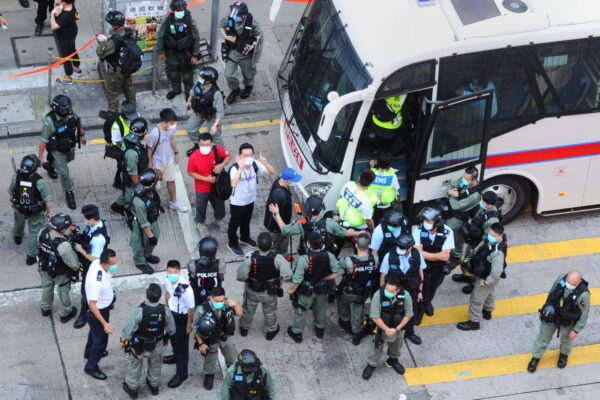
{"type": "Point", "coordinates": [434, 277]}
{"type": "Point", "coordinates": [240, 218]}
{"type": "Point", "coordinates": [67, 47]}
{"type": "Point", "coordinates": [97, 340]}
{"type": "Point", "coordinates": [181, 344]}
{"type": "Point", "coordinates": [43, 9]}
{"type": "Point", "coordinates": [409, 329]}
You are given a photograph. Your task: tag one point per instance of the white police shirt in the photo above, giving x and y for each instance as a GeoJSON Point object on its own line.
{"type": "Point", "coordinates": [98, 242]}
{"type": "Point", "coordinates": [98, 286]}
{"type": "Point", "coordinates": [404, 262]}
{"type": "Point", "coordinates": [185, 301]}
{"type": "Point", "coordinates": [448, 243]}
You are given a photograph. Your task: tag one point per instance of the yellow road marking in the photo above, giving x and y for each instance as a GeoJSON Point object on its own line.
{"type": "Point", "coordinates": [505, 365]}
{"type": "Point", "coordinates": [504, 308]}
{"type": "Point", "coordinates": [551, 250]}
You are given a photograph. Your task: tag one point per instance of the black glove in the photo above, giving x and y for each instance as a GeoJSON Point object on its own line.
{"type": "Point", "coordinates": [161, 209]}
{"type": "Point", "coordinates": [153, 240]}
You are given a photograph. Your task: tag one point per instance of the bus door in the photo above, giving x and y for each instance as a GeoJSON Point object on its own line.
{"type": "Point", "coordinates": [455, 137]}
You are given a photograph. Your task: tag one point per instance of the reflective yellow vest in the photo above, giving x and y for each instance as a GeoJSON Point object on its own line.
{"type": "Point", "coordinates": [349, 205]}
{"type": "Point", "coordinates": [395, 104]}
{"type": "Point", "coordinates": [382, 188]}
{"type": "Point", "coordinates": [125, 127]}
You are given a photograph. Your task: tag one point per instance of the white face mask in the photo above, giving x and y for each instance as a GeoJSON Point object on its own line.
{"type": "Point", "coordinates": [205, 150]}
{"type": "Point", "coordinates": [248, 161]}
{"type": "Point", "coordinates": [179, 14]}
{"type": "Point", "coordinates": [172, 127]}
{"type": "Point", "coordinates": [427, 226]}
{"type": "Point", "coordinates": [569, 286]}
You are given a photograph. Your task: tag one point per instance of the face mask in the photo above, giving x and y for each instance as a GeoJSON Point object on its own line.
{"type": "Point", "coordinates": [463, 182]}
{"type": "Point", "coordinates": [179, 14]}
{"type": "Point", "coordinates": [237, 19]}
{"type": "Point", "coordinates": [491, 239]}
{"type": "Point", "coordinates": [172, 127]}
{"type": "Point", "coordinates": [113, 268]}
{"type": "Point", "coordinates": [143, 142]}
{"type": "Point", "coordinates": [205, 150]}
{"type": "Point", "coordinates": [393, 228]}
{"type": "Point", "coordinates": [173, 278]}
{"type": "Point", "coordinates": [569, 286]}
{"type": "Point", "coordinates": [218, 306]}
{"type": "Point", "coordinates": [427, 226]}
{"type": "Point", "coordinates": [402, 252]}
{"type": "Point", "coordinates": [482, 205]}
{"type": "Point", "coordinates": [293, 184]}
{"type": "Point", "coordinates": [248, 161]}
{"type": "Point", "coordinates": [388, 294]}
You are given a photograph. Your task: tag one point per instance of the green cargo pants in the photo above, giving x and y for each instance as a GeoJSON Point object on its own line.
{"type": "Point", "coordinates": [116, 83]}
{"type": "Point", "coordinates": [245, 63]}
{"type": "Point", "coordinates": [269, 305]}
{"type": "Point", "coordinates": [35, 223]}
{"type": "Point", "coordinates": [351, 308]}
{"type": "Point", "coordinates": [142, 248]}
{"type": "Point", "coordinates": [135, 364]}
{"type": "Point", "coordinates": [482, 298]}
{"type": "Point", "coordinates": [545, 336]}
{"type": "Point", "coordinates": [393, 348]}
{"type": "Point", "coordinates": [62, 169]}
{"type": "Point", "coordinates": [210, 359]}
{"type": "Point", "coordinates": [179, 69]}
{"type": "Point", "coordinates": [125, 198]}
{"type": "Point", "coordinates": [193, 124]}
{"type": "Point", "coordinates": [318, 303]}
{"type": "Point", "coordinates": [63, 285]}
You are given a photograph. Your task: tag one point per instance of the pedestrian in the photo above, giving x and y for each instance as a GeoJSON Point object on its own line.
{"type": "Point", "coordinates": [204, 165]}
{"type": "Point", "coordinates": [385, 186]}
{"type": "Point", "coordinates": [62, 130]}
{"type": "Point", "coordinates": [391, 310]}
{"type": "Point", "coordinates": [435, 241]}
{"type": "Point", "coordinates": [179, 297]}
{"type": "Point", "coordinates": [248, 379]}
{"type": "Point", "coordinates": [206, 102]}
{"type": "Point", "coordinates": [101, 299]}
{"type": "Point", "coordinates": [566, 309]}
{"type": "Point", "coordinates": [281, 196]}
{"type": "Point", "coordinates": [361, 273]}
{"type": "Point", "coordinates": [242, 36]}
{"type": "Point", "coordinates": [44, 7]}
{"type": "Point", "coordinates": [406, 264]}
{"type": "Point", "coordinates": [89, 245]}
{"type": "Point", "coordinates": [386, 234]}
{"type": "Point", "coordinates": [144, 334]}
{"type": "Point", "coordinates": [57, 264]}
{"type": "Point", "coordinates": [206, 273]}
{"type": "Point", "coordinates": [63, 22]}
{"type": "Point", "coordinates": [116, 81]}
{"type": "Point", "coordinates": [487, 265]}
{"type": "Point", "coordinates": [179, 44]}
{"type": "Point", "coordinates": [309, 286]}
{"type": "Point", "coordinates": [264, 272]}
{"type": "Point", "coordinates": [31, 201]}
{"type": "Point", "coordinates": [115, 130]}
{"type": "Point", "coordinates": [355, 204]}
{"type": "Point", "coordinates": [163, 155]}
{"type": "Point", "coordinates": [244, 175]}
{"type": "Point", "coordinates": [214, 323]}
{"type": "Point", "coordinates": [145, 229]}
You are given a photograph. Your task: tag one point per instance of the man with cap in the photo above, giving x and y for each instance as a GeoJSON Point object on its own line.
{"type": "Point", "coordinates": [31, 201]}
{"type": "Point", "coordinates": [247, 379]}
{"type": "Point", "coordinates": [118, 129]}
{"type": "Point", "coordinates": [143, 337]}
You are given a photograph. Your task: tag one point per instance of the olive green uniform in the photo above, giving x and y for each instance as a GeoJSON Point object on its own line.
{"type": "Point", "coordinates": [394, 342]}
{"type": "Point", "coordinates": [142, 248]}
{"type": "Point", "coordinates": [179, 66]}
{"type": "Point", "coordinates": [154, 357]}
{"type": "Point", "coordinates": [62, 282]}
{"type": "Point", "coordinates": [115, 82]}
{"type": "Point", "coordinates": [132, 159]}
{"type": "Point", "coordinates": [547, 330]}
{"type": "Point", "coordinates": [351, 306]}
{"type": "Point", "coordinates": [227, 347]}
{"type": "Point", "coordinates": [195, 120]}
{"type": "Point", "coordinates": [252, 299]}
{"type": "Point", "coordinates": [464, 205]}
{"type": "Point", "coordinates": [482, 297]}
{"type": "Point", "coordinates": [235, 59]}
{"type": "Point", "coordinates": [60, 159]}
{"type": "Point", "coordinates": [35, 222]}
{"type": "Point", "coordinates": [228, 381]}
{"type": "Point", "coordinates": [316, 302]}
{"type": "Point", "coordinates": [485, 227]}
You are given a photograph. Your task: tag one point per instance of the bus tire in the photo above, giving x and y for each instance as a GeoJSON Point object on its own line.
{"type": "Point", "coordinates": [514, 192]}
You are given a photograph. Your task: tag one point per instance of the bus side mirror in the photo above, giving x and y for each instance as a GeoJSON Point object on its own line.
{"type": "Point", "coordinates": [331, 96]}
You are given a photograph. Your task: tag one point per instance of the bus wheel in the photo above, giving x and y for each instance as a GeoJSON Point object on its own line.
{"type": "Point", "coordinates": [513, 194]}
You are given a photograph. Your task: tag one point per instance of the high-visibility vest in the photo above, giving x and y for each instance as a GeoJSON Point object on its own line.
{"type": "Point", "coordinates": [350, 203]}
{"type": "Point", "coordinates": [125, 127]}
{"type": "Point", "coordinates": [382, 188]}
{"type": "Point", "coordinates": [394, 103]}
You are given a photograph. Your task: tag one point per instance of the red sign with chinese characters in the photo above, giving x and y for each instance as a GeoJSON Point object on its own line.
{"type": "Point", "coordinates": [293, 147]}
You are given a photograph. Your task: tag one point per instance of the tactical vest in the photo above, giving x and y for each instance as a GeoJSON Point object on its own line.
{"type": "Point", "coordinates": [64, 137]}
{"type": "Point", "coordinates": [463, 194]}
{"type": "Point", "coordinates": [142, 163]}
{"type": "Point", "coordinates": [390, 242]}
{"type": "Point", "coordinates": [241, 39]}
{"type": "Point", "coordinates": [387, 114]}
{"type": "Point", "coordinates": [392, 312]}
{"type": "Point", "coordinates": [434, 246]}
{"type": "Point", "coordinates": [363, 271]}
{"type": "Point", "coordinates": [318, 266]}
{"type": "Point", "coordinates": [202, 101]}
{"type": "Point", "coordinates": [320, 228]}
{"type": "Point", "coordinates": [350, 203]}
{"type": "Point", "coordinates": [479, 264]}
{"type": "Point", "coordinates": [473, 231]}
{"type": "Point", "coordinates": [241, 390]}
{"type": "Point", "coordinates": [412, 278]}
{"type": "Point", "coordinates": [27, 198]}
{"type": "Point", "coordinates": [152, 325]}
{"type": "Point", "coordinates": [568, 312]}
{"type": "Point", "coordinates": [225, 323]}
{"type": "Point", "coordinates": [152, 201]}
{"type": "Point", "coordinates": [382, 187]}
{"type": "Point", "coordinates": [49, 259]}
{"type": "Point", "coordinates": [263, 267]}
{"type": "Point", "coordinates": [87, 240]}
{"type": "Point", "coordinates": [178, 36]}
{"type": "Point", "coordinates": [207, 277]}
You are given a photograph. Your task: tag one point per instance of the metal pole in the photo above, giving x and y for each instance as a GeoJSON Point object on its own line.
{"type": "Point", "coordinates": [154, 68]}
{"type": "Point", "coordinates": [214, 26]}
{"type": "Point", "coordinates": [49, 75]}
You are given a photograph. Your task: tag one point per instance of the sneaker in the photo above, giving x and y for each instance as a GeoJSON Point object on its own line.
{"type": "Point", "coordinates": [77, 72]}
{"type": "Point", "coordinates": [249, 242]}
{"type": "Point", "coordinates": [223, 227]}
{"type": "Point", "coordinates": [177, 206]}
{"type": "Point", "coordinates": [202, 229]}
{"type": "Point", "coordinates": [64, 80]}
{"type": "Point", "coordinates": [235, 249]}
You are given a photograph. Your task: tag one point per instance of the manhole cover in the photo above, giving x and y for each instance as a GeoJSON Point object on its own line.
{"type": "Point", "coordinates": [32, 51]}
{"type": "Point", "coordinates": [15, 108]}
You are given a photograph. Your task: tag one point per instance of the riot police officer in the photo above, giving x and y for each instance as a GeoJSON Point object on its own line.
{"type": "Point", "coordinates": [145, 230]}
{"type": "Point", "coordinates": [264, 272]}
{"type": "Point", "coordinates": [391, 310]}
{"type": "Point", "coordinates": [566, 309]}
{"type": "Point", "coordinates": [385, 235]}
{"type": "Point", "coordinates": [214, 323]}
{"type": "Point", "coordinates": [406, 264]}
{"type": "Point", "coordinates": [309, 286]}
{"type": "Point", "coordinates": [247, 379]}
{"type": "Point", "coordinates": [143, 337]}
{"type": "Point", "coordinates": [57, 264]}
{"type": "Point", "coordinates": [360, 281]}
{"type": "Point", "coordinates": [134, 161]}
{"type": "Point", "coordinates": [179, 43]}
{"type": "Point", "coordinates": [206, 273]}
{"type": "Point", "coordinates": [117, 128]}
{"type": "Point", "coordinates": [62, 130]}
{"type": "Point", "coordinates": [206, 100]}
{"type": "Point", "coordinates": [385, 187]}
{"type": "Point", "coordinates": [241, 48]}
{"type": "Point", "coordinates": [31, 200]}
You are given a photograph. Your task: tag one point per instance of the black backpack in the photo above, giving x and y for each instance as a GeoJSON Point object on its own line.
{"type": "Point", "coordinates": [222, 186]}
{"type": "Point", "coordinates": [130, 55]}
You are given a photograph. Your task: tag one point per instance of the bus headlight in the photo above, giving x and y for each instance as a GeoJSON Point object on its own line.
{"type": "Point", "coordinates": [318, 189]}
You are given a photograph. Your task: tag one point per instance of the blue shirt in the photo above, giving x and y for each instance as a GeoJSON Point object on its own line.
{"type": "Point", "coordinates": [384, 268]}
{"type": "Point", "coordinates": [377, 237]}
{"type": "Point", "coordinates": [97, 243]}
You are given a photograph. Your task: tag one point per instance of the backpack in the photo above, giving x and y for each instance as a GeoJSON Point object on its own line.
{"type": "Point", "coordinates": [222, 186]}
{"type": "Point", "coordinates": [130, 55]}
{"type": "Point", "coordinates": [254, 166]}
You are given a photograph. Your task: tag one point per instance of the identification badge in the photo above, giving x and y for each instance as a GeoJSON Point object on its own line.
{"type": "Point", "coordinates": [99, 276]}
{"type": "Point", "coordinates": [385, 304]}
{"type": "Point", "coordinates": [26, 184]}
{"type": "Point", "coordinates": [239, 378]}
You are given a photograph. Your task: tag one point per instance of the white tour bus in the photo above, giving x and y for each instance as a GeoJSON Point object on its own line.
{"type": "Point", "coordinates": [511, 87]}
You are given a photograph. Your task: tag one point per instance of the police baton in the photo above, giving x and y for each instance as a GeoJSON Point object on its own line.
{"type": "Point", "coordinates": [10, 150]}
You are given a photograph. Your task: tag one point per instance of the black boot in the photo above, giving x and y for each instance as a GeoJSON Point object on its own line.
{"type": "Point", "coordinates": [532, 366]}
{"type": "Point", "coordinates": [81, 320]}
{"type": "Point", "coordinates": [38, 29]}
{"type": "Point", "coordinates": [468, 326]}
{"type": "Point", "coordinates": [71, 200]}
{"type": "Point", "coordinates": [461, 278]}
{"type": "Point", "coordinates": [345, 325]}
{"type": "Point", "coordinates": [562, 360]}
{"type": "Point", "coordinates": [171, 94]}
{"type": "Point", "coordinates": [18, 239]}
{"type": "Point", "coordinates": [208, 381]}
{"type": "Point", "coordinates": [467, 289]}
{"type": "Point", "coordinates": [233, 96]}
{"type": "Point", "coordinates": [49, 167]}
{"type": "Point", "coordinates": [246, 92]}
{"type": "Point", "coordinates": [296, 336]}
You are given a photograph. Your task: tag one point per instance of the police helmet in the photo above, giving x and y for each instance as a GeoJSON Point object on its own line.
{"type": "Point", "coordinates": [242, 7]}
{"type": "Point", "coordinates": [432, 214]}
{"type": "Point", "coordinates": [405, 241]}
{"type": "Point", "coordinates": [314, 204]}
{"type": "Point", "coordinates": [29, 164]}
{"type": "Point", "coordinates": [115, 18]}
{"type": "Point", "coordinates": [206, 327]}
{"type": "Point", "coordinates": [148, 178]}
{"type": "Point", "coordinates": [248, 361]}
{"type": "Point", "coordinates": [61, 105]}
{"type": "Point", "coordinates": [208, 246]}
{"type": "Point", "coordinates": [139, 127]}
{"type": "Point", "coordinates": [60, 222]}
{"type": "Point", "coordinates": [548, 313]}
{"type": "Point", "coordinates": [178, 5]}
{"type": "Point", "coordinates": [209, 74]}
{"type": "Point", "coordinates": [394, 218]}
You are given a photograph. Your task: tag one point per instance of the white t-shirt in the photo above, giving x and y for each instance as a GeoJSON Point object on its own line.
{"type": "Point", "coordinates": [245, 191]}
{"type": "Point", "coordinates": [183, 303]}
{"type": "Point", "coordinates": [164, 152]}
{"type": "Point", "coordinates": [98, 286]}
{"type": "Point", "coordinates": [448, 243]}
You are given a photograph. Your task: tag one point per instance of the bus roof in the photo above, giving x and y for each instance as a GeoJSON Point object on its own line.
{"type": "Point", "coordinates": [387, 33]}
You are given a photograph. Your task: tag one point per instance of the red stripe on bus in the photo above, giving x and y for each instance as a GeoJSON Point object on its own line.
{"type": "Point", "coordinates": [541, 155]}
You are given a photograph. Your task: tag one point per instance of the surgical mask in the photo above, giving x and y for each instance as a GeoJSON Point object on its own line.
{"type": "Point", "coordinates": [113, 268]}
{"type": "Point", "coordinates": [388, 294]}
{"type": "Point", "coordinates": [482, 205]}
{"type": "Point", "coordinates": [248, 161]}
{"type": "Point", "coordinates": [179, 14]}
{"type": "Point", "coordinates": [143, 142]}
{"type": "Point", "coordinates": [402, 252]}
{"type": "Point", "coordinates": [463, 182]}
{"type": "Point", "coordinates": [205, 150]}
{"type": "Point", "coordinates": [569, 286]}
{"type": "Point", "coordinates": [491, 239]}
{"type": "Point", "coordinates": [218, 306]}
{"type": "Point", "coordinates": [393, 228]}
{"type": "Point", "coordinates": [173, 278]}
{"type": "Point", "coordinates": [172, 127]}
{"type": "Point", "coordinates": [237, 19]}
{"type": "Point", "coordinates": [293, 184]}
{"type": "Point", "coordinates": [427, 226]}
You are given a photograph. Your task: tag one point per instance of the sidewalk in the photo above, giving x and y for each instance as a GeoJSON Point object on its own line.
{"type": "Point", "coordinates": [23, 100]}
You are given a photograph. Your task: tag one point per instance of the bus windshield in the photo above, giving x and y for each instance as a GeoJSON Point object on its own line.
{"type": "Point", "coordinates": [325, 61]}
